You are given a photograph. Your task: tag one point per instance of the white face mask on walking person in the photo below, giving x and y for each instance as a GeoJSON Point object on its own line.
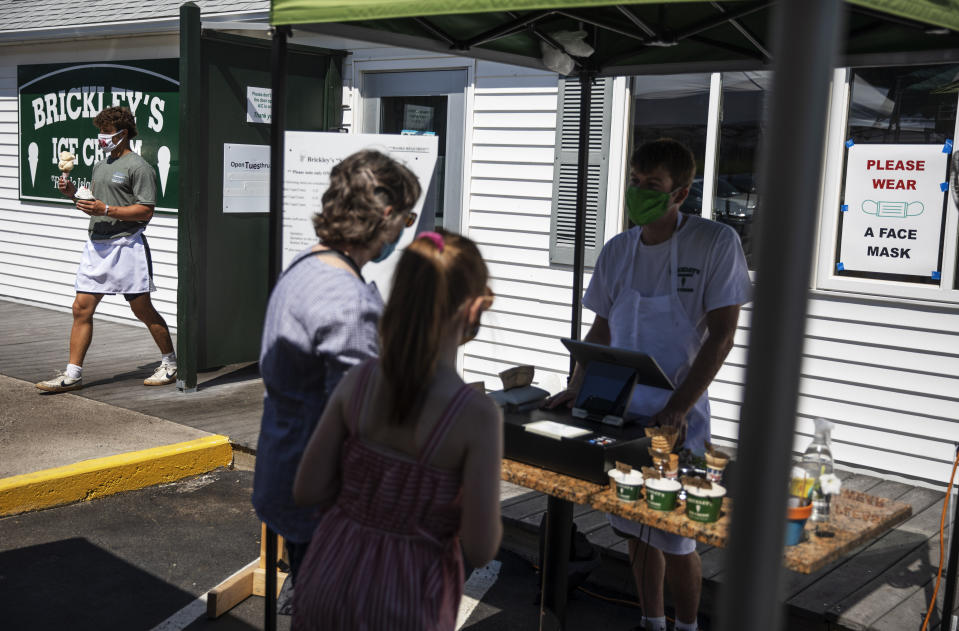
{"type": "Point", "coordinates": [108, 142]}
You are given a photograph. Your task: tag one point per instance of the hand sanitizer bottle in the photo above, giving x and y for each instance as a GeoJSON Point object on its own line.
{"type": "Point", "coordinates": [817, 461]}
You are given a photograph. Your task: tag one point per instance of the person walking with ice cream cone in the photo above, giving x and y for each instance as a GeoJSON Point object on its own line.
{"type": "Point", "coordinates": [116, 257]}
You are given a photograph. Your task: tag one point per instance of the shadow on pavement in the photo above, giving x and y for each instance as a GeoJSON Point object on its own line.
{"type": "Point", "coordinates": [75, 584]}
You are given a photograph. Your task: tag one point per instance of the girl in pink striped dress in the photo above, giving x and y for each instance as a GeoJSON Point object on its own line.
{"type": "Point", "coordinates": [407, 459]}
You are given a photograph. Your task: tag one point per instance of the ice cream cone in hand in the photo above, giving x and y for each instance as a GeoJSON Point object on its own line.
{"type": "Point", "coordinates": [67, 162]}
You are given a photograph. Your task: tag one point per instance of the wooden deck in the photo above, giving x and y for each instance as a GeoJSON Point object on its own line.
{"type": "Point", "coordinates": [885, 585]}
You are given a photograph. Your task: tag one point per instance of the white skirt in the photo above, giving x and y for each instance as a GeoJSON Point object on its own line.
{"type": "Point", "coordinates": [117, 266]}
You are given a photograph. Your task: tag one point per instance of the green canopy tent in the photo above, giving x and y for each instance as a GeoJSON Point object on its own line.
{"type": "Point", "coordinates": [802, 41]}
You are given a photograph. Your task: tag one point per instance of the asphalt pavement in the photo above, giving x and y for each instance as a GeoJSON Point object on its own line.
{"type": "Point", "coordinates": [141, 560]}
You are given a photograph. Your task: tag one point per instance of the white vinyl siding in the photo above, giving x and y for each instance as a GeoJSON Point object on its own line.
{"type": "Point", "coordinates": [887, 375]}
{"type": "Point", "coordinates": [510, 205]}
{"type": "Point", "coordinates": [40, 243]}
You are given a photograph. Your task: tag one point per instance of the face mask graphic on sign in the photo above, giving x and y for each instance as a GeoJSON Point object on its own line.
{"type": "Point", "coordinates": [892, 209]}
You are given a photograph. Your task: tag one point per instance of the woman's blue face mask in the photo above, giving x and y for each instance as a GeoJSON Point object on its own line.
{"type": "Point", "coordinates": [386, 250]}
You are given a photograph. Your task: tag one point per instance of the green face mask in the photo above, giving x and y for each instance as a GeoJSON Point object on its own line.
{"type": "Point", "coordinates": [645, 206]}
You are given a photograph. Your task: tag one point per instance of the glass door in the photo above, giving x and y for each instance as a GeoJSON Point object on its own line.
{"type": "Point", "coordinates": [429, 102]}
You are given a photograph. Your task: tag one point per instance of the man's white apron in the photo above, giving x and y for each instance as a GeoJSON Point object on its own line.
{"type": "Point", "coordinates": [660, 327]}
{"type": "Point", "coordinates": [115, 266]}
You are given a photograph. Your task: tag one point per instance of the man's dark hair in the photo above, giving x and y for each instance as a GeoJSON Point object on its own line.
{"type": "Point", "coordinates": [674, 156]}
{"type": "Point", "coordinates": [119, 118]}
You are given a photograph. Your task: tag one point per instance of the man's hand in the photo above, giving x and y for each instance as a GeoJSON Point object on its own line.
{"type": "Point", "coordinates": [92, 207]}
{"type": "Point", "coordinates": [65, 186]}
{"type": "Point", "coordinates": [567, 397]}
{"type": "Point", "coordinates": [671, 417]}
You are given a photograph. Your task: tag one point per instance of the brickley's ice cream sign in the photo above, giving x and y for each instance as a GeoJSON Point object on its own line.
{"type": "Point", "coordinates": [59, 101]}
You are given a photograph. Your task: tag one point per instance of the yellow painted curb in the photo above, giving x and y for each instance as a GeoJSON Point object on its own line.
{"type": "Point", "coordinates": [104, 476]}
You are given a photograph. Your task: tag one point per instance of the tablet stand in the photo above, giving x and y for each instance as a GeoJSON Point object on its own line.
{"type": "Point", "coordinates": [607, 389]}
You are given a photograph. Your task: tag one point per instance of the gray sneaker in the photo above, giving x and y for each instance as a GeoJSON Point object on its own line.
{"type": "Point", "coordinates": [164, 374]}
{"type": "Point", "coordinates": [61, 383]}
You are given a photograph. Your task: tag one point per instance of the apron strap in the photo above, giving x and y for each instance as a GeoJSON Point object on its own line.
{"type": "Point", "coordinates": [343, 257]}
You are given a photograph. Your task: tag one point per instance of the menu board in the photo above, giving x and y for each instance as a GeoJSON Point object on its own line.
{"type": "Point", "coordinates": [310, 156]}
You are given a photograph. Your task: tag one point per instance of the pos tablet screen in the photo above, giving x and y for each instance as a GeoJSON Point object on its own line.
{"type": "Point", "coordinates": [606, 389]}
{"type": "Point", "coordinates": [648, 372]}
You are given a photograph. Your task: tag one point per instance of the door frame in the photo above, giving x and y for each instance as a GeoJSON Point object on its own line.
{"type": "Point", "coordinates": [359, 68]}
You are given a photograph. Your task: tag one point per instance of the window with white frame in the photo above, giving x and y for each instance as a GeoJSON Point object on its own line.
{"type": "Point", "coordinates": [888, 218]}
{"type": "Point", "coordinates": [899, 129]}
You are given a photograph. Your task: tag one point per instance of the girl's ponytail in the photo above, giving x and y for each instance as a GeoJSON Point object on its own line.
{"type": "Point", "coordinates": [437, 273]}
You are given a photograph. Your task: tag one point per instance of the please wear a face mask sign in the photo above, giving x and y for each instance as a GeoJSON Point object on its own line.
{"type": "Point", "coordinates": [892, 209]}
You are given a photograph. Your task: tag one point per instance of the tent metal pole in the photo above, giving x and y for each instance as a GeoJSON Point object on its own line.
{"type": "Point", "coordinates": [806, 37]}
{"type": "Point", "coordinates": [586, 76]}
{"type": "Point", "coordinates": [278, 71]}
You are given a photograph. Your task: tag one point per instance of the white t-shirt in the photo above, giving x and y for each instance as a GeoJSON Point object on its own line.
{"type": "Point", "coordinates": [712, 271]}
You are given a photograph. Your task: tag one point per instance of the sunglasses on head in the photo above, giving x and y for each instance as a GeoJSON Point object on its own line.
{"type": "Point", "coordinates": [484, 306]}
{"type": "Point", "coordinates": [488, 297]}
{"type": "Point", "coordinates": [410, 220]}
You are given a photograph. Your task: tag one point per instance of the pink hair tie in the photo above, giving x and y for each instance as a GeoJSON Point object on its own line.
{"type": "Point", "coordinates": [435, 237]}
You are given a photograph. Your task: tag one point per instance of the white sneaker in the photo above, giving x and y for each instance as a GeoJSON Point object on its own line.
{"type": "Point", "coordinates": [61, 383]}
{"type": "Point", "coordinates": [164, 374]}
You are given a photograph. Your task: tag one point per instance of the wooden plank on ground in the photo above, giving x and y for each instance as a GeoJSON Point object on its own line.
{"type": "Point", "coordinates": [231, 592]}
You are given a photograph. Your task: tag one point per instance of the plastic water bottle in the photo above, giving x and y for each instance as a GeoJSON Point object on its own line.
{"type": "Point", "coordinates": [817, 461]}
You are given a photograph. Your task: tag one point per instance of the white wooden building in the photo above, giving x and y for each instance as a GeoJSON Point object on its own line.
{"type": "Point", "coordinates": [881, 355]}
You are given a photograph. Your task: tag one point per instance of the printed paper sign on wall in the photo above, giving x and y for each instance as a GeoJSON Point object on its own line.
{"type": "Point", "coordinates": [892, 209]}
{"type": "Point", "coordinates": [310, 156]}
{"type": "Point", "coordinates": [58, 103]}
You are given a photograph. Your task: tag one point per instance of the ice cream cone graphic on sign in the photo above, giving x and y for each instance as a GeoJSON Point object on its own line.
{"type": "Point", "coordinates": [33, 157]}
{"type": "Point", "coordinates": [163, 164]}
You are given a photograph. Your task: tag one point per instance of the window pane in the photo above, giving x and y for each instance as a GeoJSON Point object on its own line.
{"type": "Point", "coordinates": [674, 106]}
{"type": "Point", "coordinates": [736, 200]}
{"type": "Point", "coordinates": [910, 105]}
{"type": "Point", "coordinates": [418, 115]}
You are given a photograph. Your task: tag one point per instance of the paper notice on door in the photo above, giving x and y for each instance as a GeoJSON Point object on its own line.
{"type": "Point", "coordinates": [417, 117]}
{"type": "Point", "coordinates": [246, 178]}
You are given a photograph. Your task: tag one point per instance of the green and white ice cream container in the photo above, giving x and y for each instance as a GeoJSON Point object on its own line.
{"type": "Point", "coordinates": [704, 504]}
{"type": "Point", "coordinates": [661, 493]}
{"type": "Point", "coordinates": [627, 485]}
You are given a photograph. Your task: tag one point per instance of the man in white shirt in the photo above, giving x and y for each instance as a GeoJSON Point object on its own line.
{"type": "Point", "coordinates": [670, 287]}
